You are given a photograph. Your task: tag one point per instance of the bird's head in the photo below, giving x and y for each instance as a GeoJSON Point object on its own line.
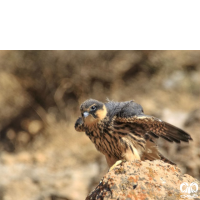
{"type": "Point", "coordinates": [93, 111]}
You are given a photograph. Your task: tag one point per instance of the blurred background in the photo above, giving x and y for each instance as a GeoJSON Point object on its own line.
{"type": "Point", "coordinates": [42, 157]}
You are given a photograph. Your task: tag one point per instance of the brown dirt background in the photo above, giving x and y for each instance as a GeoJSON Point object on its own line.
{"type": "Point", "coordinates": [42, 157]}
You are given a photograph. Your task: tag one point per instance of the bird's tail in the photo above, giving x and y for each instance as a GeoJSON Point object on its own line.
{"type": "Point", "coordinates": [166, 160]}
{"type": "Point", "coordinates": [151, 153]}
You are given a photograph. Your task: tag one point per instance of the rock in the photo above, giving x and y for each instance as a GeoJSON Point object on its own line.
{"type": "Point", "coordinates": [146, 180]}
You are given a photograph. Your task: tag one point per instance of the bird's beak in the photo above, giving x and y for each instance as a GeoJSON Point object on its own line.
{"type": "Point", "coordinates": [85, 114]}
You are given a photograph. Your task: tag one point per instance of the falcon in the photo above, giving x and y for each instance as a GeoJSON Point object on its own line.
{"type": "Point", "coordinates": [121, 131]}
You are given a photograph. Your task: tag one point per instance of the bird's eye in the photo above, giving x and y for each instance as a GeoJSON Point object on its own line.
{"type": "Point", "coordinates": [93, 108]}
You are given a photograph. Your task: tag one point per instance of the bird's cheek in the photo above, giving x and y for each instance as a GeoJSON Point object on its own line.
{"type": "Point", "coordinates": [101, 114]}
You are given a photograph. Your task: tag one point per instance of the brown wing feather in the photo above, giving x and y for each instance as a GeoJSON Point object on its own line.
{"type": "Point", "coordinates": [148, 125]}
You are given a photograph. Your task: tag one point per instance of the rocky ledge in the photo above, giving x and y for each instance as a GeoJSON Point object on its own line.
{"type": "Point", "coordinates": [146, 180]}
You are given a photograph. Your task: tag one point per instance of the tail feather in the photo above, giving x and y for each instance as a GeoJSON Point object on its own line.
{"type": "Point", "coordinates": [151, 153]}
{"type": "Point", "coordinates": [166, 160]}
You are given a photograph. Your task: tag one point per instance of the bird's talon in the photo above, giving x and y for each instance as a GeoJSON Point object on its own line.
{"type": "Point", "coordinates": [117, 163]}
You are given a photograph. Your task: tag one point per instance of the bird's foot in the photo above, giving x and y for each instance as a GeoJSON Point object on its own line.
{"type": "Point", "coordinates": [117, 163]}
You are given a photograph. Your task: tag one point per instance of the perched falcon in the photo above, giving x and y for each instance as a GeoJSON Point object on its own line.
{"type": "Point", "coordinates": [121, 131]}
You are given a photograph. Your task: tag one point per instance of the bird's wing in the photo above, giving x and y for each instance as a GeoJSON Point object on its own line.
{"type": "Point", "coordinates": [145, 126]}
{"type": "Point", "coordinates": [151, 153]}
{"type": "Point", "coordinates": [79, 125]}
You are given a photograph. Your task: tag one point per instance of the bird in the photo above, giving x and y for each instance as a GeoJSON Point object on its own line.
{"type": "Point", "coordinates": [122, 132]}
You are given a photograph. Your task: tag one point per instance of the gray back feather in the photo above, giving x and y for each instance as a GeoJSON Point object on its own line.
{"type": "Point", "coordinates": [123, 109]}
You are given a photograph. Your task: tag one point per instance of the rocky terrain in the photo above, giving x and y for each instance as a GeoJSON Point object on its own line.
{"type": "Point", "coordinates": [146, 180]}
{"type": "Point", "coordinates": [42, 157]}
